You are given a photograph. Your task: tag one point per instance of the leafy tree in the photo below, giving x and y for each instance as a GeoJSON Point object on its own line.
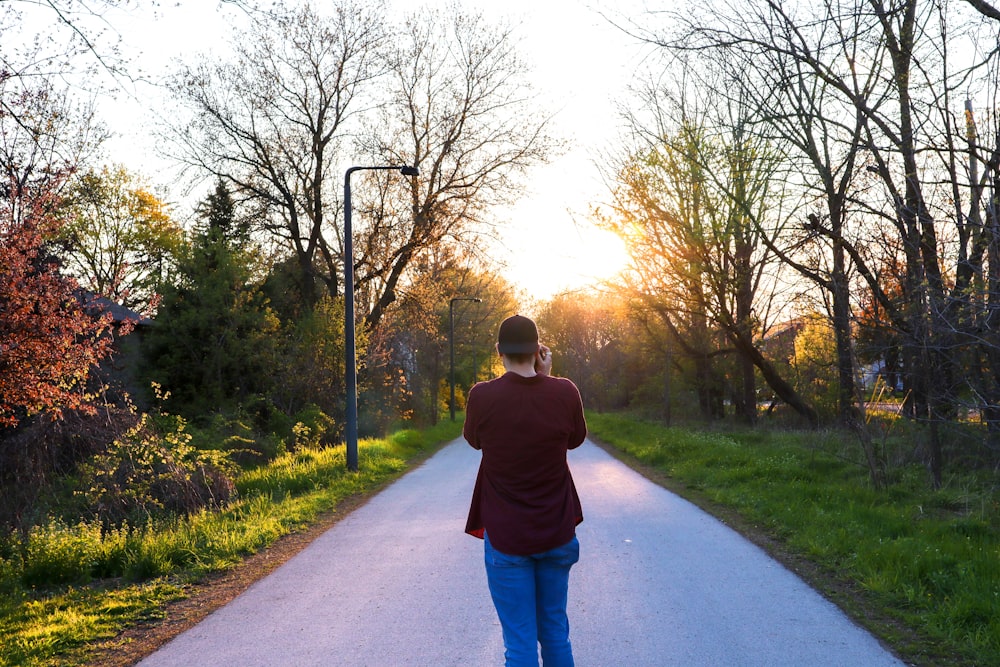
{"type": "Point", "coordinates": [877, 339]}
{"type": "Point", "coordinates": [51, 411]}
{"type": "Point", "coordinates": [588, 334]}
{"type": "Point", "coordinates": [309, 366]}
{"type": "Point", "coordinates": [49, 342]}
{"type": "Point", "coordinates": [119, 240]}
{"type": "Point", "coordinates": [212, 343]}
{"type": "Point", "coordinates": [815, 363]}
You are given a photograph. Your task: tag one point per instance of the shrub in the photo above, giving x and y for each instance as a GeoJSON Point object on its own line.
{"type": "Point", "coordinates": [36, 456]}
{"type": "Point", "coordinates": [244, 441]}
{"type": "Point", "coordinates": [148, 474]}
{"type": "Point", "coordinates": [313, 429]}
{"type": "Point", "coordinates": [264, 416]}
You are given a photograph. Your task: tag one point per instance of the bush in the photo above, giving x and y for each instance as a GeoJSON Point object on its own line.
{"type": "Point", "coordinates": [147, 474]}
{"type": "Point", "coordinates": [243, 440]}
{"type": "Point", "coordinates": [313, 429]}
{"type": "Point", "coordinates": [264, 416]}
{"type": "Point", "coordinates": [35, 457]}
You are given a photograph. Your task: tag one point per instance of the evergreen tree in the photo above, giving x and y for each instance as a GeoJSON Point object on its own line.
{"type": "Point", "coordinates": [213, 341]}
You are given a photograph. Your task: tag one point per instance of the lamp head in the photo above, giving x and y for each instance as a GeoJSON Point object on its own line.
{"type": "Point", "coordinates": [407, 170]}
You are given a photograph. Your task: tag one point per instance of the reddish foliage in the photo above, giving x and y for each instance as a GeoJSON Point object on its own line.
{"type": "Point", "coordinates": [48, 341]}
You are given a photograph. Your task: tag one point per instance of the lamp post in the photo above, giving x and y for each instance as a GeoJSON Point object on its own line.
{"type": "Point", "coordinates": [350, 354]}
{"type": "Point", "coordinates": [451, 344]}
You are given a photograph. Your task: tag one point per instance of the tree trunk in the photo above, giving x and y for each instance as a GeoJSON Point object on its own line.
{"type": "Point", "coordinates": [846, 408]}
{"type": "Point", "coordinates": [778, 384]}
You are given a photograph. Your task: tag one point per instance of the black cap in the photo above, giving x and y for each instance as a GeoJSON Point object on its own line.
{"type": "Point", "coordinates": [518, 335]}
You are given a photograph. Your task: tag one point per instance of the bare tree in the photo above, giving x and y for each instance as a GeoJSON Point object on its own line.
{"type": "Point", "coordinates": [271, 120]}
{"type": "Point", "coordinates": [415, 337]}
{"type": "Point", "coordinates": [44, 132]}
{"type": "Point", "coordinates": [985, 8]}
{"type": "Point", "coordinates": [869, 86]}
{"type": "Point", "coordinates": [461, 110]}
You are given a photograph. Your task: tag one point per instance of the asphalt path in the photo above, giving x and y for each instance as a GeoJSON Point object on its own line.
{"type": "Point", "coordinates": [397, 582]}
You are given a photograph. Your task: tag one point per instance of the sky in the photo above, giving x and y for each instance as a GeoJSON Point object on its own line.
{"type": "Point", "coordinates": [581, 65]}
{"type": "Point", "coordinates": [584, 65]}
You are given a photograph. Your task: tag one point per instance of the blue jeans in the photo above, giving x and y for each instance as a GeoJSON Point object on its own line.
{"type": "Point", "coordinates": [529, 593]}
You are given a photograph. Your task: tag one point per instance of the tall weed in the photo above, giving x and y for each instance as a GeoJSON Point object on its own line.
{"type": "Point", "coordinates": [154, 472]}
{"type": "Point", "coordinates": [59, 554]}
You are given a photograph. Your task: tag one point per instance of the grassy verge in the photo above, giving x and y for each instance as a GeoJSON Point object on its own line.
{"type": "Point", "coordinates": [920, 568]}
{"type": "Point", "coordinates": [111, 581]}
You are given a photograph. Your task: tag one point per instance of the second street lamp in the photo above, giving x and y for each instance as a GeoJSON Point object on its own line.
{"type": "Point", "coordinates": [451, 344]}
{"type": "Point", "coordinates": [350, 353]}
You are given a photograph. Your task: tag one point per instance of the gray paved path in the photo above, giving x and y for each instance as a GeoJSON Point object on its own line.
{"type": "Point", "coordinates": [397, 582]}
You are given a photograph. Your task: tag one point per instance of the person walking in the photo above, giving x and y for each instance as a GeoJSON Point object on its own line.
{"type": "Point", "coordinates": [524, 505]}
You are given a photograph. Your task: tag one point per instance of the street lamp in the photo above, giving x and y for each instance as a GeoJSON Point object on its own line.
{"type": "Point", "coordinates": [451, 344]}
{"type": "Point", "coordinates": [350, 354]}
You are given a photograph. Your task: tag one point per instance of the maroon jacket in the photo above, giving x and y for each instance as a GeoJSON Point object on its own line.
{"type": "Point", "coordinates": [524, 496]}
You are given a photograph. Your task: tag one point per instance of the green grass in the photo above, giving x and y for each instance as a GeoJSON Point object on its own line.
{"type": "Point", "coordinates": [68, 587]}
{"type": "Point", "coordinates": [919, 567]}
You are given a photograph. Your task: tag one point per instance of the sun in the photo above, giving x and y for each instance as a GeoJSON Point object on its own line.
{"type": "Point", "coordinates": [548, 241]}
{"type": "Point", "coordinates": [559, 254]}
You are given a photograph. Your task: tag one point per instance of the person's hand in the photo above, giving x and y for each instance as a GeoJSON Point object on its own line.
{"type": "Point", "coordinates": [543, 360]}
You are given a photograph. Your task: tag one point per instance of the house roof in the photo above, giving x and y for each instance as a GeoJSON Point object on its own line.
{"type": "Point", "coordinates": [119, 313]}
